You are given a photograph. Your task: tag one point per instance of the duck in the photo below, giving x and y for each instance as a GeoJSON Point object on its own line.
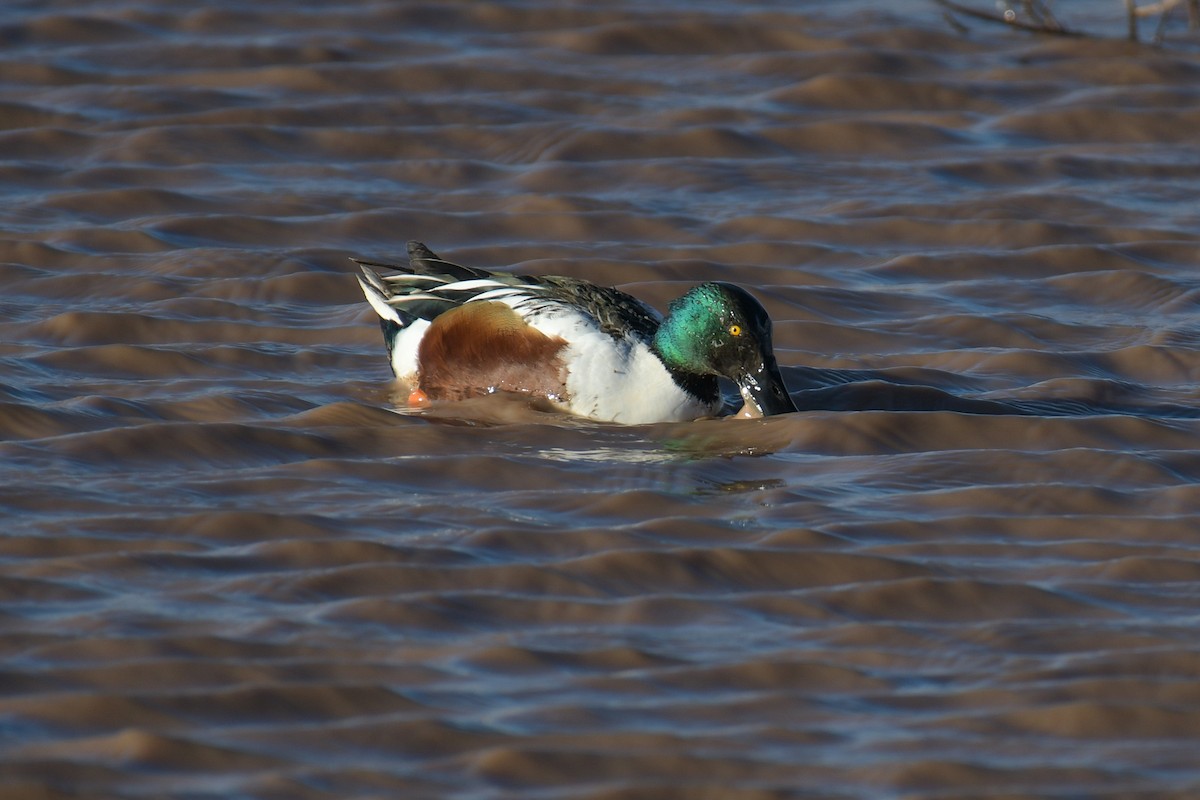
{"type": "Point", "coordinates": [454, 332]}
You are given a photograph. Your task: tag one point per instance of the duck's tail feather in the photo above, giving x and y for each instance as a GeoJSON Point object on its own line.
{"type": "Point", "coordinates": [377, 295]}
{"type": "Point", "coordinates": [430, 286]}
{"type": "Point", "coordinates": [403, 298]}
{"type": "Point", "coordinates": [423, 261]}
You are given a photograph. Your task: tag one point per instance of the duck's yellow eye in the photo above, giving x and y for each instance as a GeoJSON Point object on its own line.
{"type": "Point", "coordinates": [735, 330]}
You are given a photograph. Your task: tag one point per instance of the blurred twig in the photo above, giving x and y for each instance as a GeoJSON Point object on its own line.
{"type": "Point", "coordinates": [1035, 16]}
{"type": "Point", "coordinates": [1162, 8]}
{"type": "Point", "coordinates": [1040, 22]}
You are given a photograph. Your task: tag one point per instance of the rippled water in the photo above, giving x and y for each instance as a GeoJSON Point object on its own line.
{"type": "Point", "coordinates": [967, 568]}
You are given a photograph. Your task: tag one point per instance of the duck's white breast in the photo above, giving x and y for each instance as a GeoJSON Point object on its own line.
{"type": "Point", "coordinates": [615, 379]}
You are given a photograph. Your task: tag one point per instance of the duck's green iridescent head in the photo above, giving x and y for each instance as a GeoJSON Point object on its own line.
{"type": "Point", "coordinates": [720, 329]}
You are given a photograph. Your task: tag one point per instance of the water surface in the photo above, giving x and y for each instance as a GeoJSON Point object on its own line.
{"type": "Point", "coordinates": [230, 569]}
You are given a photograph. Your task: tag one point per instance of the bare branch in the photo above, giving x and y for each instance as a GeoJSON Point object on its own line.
{"type": "Point", "coordinates": [1161, 7]}
{"type": "Point", "coordinates": [1048, 26]}
{"type": "Point", "coordinates": [1036, 16]}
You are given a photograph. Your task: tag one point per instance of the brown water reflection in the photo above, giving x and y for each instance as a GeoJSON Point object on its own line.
{"type": "Point", "coordinates": [230, 567]}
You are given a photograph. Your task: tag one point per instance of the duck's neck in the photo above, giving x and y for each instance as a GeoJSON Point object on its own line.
{"type": "Point", "coordinates": [702, 387]}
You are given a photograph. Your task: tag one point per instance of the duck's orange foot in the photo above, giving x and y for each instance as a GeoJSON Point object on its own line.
{"type": "Point", "coordinates": [418, 399]}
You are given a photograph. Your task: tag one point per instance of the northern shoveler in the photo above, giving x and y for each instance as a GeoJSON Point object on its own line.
{"type": "Point", "coordinates": [454, 332]}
